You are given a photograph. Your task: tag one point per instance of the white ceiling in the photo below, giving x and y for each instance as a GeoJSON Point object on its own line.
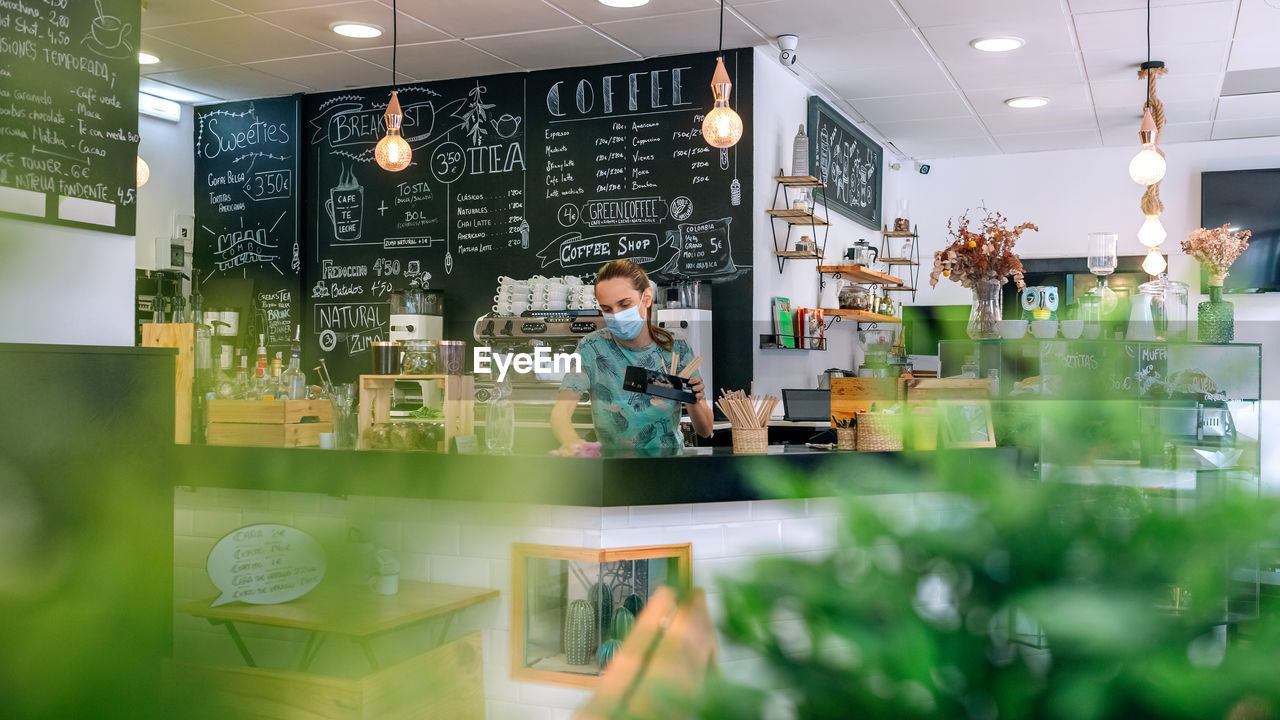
{"type": "Point", "coordinates": [903, 66]}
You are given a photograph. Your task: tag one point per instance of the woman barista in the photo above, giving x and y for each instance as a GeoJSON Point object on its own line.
{"type": "Point", "coordinates": [626, 420]}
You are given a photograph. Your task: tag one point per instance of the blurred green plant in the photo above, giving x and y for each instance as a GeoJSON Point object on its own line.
{"type": "Point", "coordinates": [993, 596]}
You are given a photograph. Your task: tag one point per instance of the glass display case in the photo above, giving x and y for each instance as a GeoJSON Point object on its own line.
{"type": "Point", "coordinates": [572, 608]}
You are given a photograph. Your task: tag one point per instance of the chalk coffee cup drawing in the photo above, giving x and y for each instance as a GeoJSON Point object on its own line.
{"type": "Point", "coordinates": [346, 210]}
{"type": "Point", "coordinates": [109, 31]}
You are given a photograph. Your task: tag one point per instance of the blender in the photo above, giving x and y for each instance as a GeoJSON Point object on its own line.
{"type": "Point", "coordinates": [875, 345]}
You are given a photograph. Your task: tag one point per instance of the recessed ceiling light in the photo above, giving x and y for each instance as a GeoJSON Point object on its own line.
{"type": "Point", "coordinates": [624, 3]}
{"type": "Point", "coordinates": [1027, 102]}
{"type": "Point", "coordinates": [356, 30]}
{"type": "Point", "coordinates": [145, 58]}
{"type": "Point", "coordinates": [997, 44]}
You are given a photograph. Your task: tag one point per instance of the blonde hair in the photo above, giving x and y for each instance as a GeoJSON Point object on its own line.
{"type": "Point", "coordinates": [639, 279]}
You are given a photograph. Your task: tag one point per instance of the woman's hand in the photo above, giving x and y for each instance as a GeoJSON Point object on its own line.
{"type": "Point", "coordinates": [697, 388]}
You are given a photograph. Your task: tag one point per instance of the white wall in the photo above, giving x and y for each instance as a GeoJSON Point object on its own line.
{"type": "Point", "coordinates": [167, 148]}
{"type": "Point", "coordinates": [781, 105]}
{"type": "Point", "coordinates": [1072, 193]}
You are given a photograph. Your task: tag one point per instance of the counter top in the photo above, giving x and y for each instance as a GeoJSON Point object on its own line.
{"type": "Point", "coordinates": [699, 475]}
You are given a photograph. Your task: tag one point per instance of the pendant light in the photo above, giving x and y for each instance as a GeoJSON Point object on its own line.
{"type": "Point", "coordinates": [1155, 262]}
{"type": "Point", "coordinates": [1148, 166]}
{"type": "Point", "coordinates": [722, 127]}
{"type": "Point", "coordinates": [393, 152]}
{"type": "Point", "coordinates": [144, 172]}
{"type": "Point", "coordinates": [1152, 233]}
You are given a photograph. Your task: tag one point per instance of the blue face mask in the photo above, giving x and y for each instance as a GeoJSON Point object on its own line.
{"type": "Point", "coordinates": [625, 325]}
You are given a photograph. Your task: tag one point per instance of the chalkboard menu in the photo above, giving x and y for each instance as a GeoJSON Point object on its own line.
{"type": "Point", "coordinates": [546, 173]}
{"type": "Point", "coordinates": [246, 200]}
{"type": "Point", "coordinates": [848, 161]}
{"type": "Point", "coordinates": [69, 111]}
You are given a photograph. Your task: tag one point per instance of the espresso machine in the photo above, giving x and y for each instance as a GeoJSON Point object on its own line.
{"type": "Point", "coordinates": [533, 393]}
{"type": "Point", "coordinates": [686, 311]}
{"type": "Point", "coordinates": [416, 314]}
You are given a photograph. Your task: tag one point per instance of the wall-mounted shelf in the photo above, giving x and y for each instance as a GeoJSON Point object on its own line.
{"type": "Point", "coordinates": [798, 254]}
{"type": "Point", "coordinates": [792, 216]}
{"type": "Point", "coordinates": [897, 261]}
{"type": "Point", "coordinates": [859, 274]}
{"type": "Point", "coordinates": [774, 342]}
{"type": "Point", "coordinates": [902, 288]}
{"type": "Point", "coordinates": [858, 316]}
{"type": "Point", "coordinates": [799, 181]}
{"type": "Point", "coordinates": [909, 259]}
{"type": "Point", "coordinates": [899, 233]}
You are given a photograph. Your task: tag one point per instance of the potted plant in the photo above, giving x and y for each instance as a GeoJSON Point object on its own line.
{"type": "Point", "coordinates": [1216, 250]}
{"type": "Point", "coordinates": [981, 258]}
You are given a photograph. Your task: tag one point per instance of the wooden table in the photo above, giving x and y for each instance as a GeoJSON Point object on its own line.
{"type": "Point", "coordinates": [351, 611]}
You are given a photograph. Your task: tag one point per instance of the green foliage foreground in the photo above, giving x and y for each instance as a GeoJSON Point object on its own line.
{"type": "Point", "coordinates": [999, 597]}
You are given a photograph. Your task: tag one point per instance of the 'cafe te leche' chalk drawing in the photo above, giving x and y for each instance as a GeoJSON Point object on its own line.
{"type": "Point", "coordinates": [265, 565]}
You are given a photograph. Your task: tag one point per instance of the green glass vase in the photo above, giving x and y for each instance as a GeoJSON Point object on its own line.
{"type": "Point", "coordinates": [1217, 323]}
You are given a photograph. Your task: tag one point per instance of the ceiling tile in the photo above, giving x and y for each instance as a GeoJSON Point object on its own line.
{"type": "Point", "coordinates": [1040, 142]}
{"type": "Point", "coordinates": [567, 47]}
{"type": "Point", "coordinates": [257, 6]}
{"type": "Point", "coordinates": [1247, 82]}
{"type": "Point", "coordinates": [1079, 7]}
{"type": "Point", "coordinates": [934, 128]}
{"type": "Point", "coordinates": [1250, 107]}
{"type": "Point", "coordinates": [158, 13]}
{"type": "Point", "coordinates": [1126, 29]}
{"type": "Point", "coordinates": [1003, 72]}
{"type": "Point", "coordinates": [1122, 65]}
{"type": "Point", "coordinates": [315, 23]}
{"type": "Point", "coordinates": [882, 49]}
{"type": "Point", "coordinates": [1039, 120]}
{"type": "Point", "coordinates": [230, 82]}
{"type": "Point", "coordinates": [911, 107]}
{"type": "Point", "coordinates": [333, 71]}
{"type": "Point", "coordinates": [1170, 88]}
{"type": "Point", "coordinates": [477, 18]}
{"type": "Point", "coordinates": [812, 19]}
{"type": "Point", "coordinates": [683, 33]}
{"type": "Point", "coordinates": [174, 57]}
{"type": "Point", "coordinates": [1129, 118]}
{"type": "Point", "coordinates": [593, 11]}
{"type": "Point", "coordinates": [885, 82]}
{"type": "Point", "coordinates": [1062, 98]}
{"type": "Point", "coordinates": [173, 92]}
{"type": "Point", "coordinates": [1256, 33]}
{"type": "Point", "coordinates": [1256, 127]}
{"type": "Point", "coordinates": [928, 13]}
{"type": "Point", "coordinates": [1043, 36]}
{"type": "Point", "coordinates": [243, 39]}
{"type": "Point", "coordinates": [439, 60]}
{"type": "Point", "coordinates": [927, 148]}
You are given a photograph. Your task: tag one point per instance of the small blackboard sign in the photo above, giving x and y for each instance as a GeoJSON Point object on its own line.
{"type": "Point", "coordinates": [849, 162]}
{"type": "Point", "coordinates": [69, 112]}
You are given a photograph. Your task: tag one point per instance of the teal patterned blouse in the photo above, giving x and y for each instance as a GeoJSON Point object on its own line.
{"type": "Point", "coordinates": [626, 420]}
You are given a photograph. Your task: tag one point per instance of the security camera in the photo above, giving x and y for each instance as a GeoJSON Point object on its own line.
{"type": "Point", "coordinates": [922, 168]}
{"type": "Point", "coordinates": [788, 44]}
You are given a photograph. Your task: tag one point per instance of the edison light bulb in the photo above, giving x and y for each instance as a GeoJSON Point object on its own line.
{"type": "Point", "coordinates": [1154, 264]}
{"type": "Point", "coordinates": [1147, 167]}
{"type": "Point", "coordinates": [144, 172]}
{"type": "Point", "coordinates": [393, 152]}
{"type": "Point", "coordinates": [722, 127]}
{"type": "Point", "coordinates": [1152, 233]}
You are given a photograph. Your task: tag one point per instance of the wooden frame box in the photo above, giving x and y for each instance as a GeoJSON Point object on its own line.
{"type": "Point", "coordinates": [457, 391]}
{"type": "Point", "coordinates": [268, 423]}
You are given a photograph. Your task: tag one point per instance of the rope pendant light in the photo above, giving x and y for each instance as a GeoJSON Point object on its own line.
{"type": "Point", "coordinates": [393, 152]}
{"type": "Point", "coordinates": [1148, 166]}
{"type": "Point", "coordinates": [722, 127]}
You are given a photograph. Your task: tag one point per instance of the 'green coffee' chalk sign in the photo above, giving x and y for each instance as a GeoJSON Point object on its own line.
{"type": "Point", "coordinates": [265, 565]}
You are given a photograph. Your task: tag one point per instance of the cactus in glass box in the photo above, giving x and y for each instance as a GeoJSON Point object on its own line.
{"type": "Point", "coordinates": [579, 632]}
{"type": "Point", "coordinates": [600, 595]}
{"type": "Point", "coordinates": [634, 603]}
{"type": "Point", "coordinates": [623, 621]}
{"type": "Point", "coordinates": [606, 651]}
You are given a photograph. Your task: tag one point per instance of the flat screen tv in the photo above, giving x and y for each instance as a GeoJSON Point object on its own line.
{"type": "Point", "coordinates": [1250, 200]}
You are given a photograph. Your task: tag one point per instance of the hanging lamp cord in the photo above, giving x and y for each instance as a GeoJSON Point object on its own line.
{"type": "Point", "coordinates": [720, 46]}
{"type": "Point", "coordinates": [395, 41]}
{"type": "Point", "coordinates": [1151, 204]}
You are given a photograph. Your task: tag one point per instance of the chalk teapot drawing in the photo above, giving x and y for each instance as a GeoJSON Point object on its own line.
{"type": "Point", "coordinates": [506, 126]}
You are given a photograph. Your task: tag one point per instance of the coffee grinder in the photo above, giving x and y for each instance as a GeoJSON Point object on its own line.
{"type": "Point", "coordinates": [416, 314]}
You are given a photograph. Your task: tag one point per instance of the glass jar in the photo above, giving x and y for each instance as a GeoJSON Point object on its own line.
{"type": "Point", "coordinates": [985, 315]}
{"type": "Point", "coordinates": [1167, 300]}
{"type": "Point", "coordinates": [855, 297]}
{"type": "Point", "coordinates": [420, 358]}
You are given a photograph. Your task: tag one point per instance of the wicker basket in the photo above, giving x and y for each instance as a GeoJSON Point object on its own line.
{"type": "Point", "coordinates": [750, 441]}
{"type": "Point", "coordinates": [846, 438]}
{"type": "Point", "coordinates": [879, 432]}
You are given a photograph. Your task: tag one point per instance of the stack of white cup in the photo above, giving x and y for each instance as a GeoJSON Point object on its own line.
{"type": "Point", "coordinates": [513, 296]}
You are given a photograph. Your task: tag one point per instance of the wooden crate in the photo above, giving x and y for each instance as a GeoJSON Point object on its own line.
{"type": "Point", "coordinates": [459, 404]}
{"type": "Point", "coordinates": [268, 423]}
{"type": "Point", "coordinates": [183, 337]}
{"type": "Point", "coordinates": [444, 684]}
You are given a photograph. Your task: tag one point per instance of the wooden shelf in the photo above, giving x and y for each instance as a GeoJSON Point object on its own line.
{"type": "Point", "coordinates": [797, 217]}
{"type": "Point", "coordinates": [860, 274]}
{"type": "Point", "coordinates": [799, 181]}
{"type": "Point", "coordinates": [897, 261]}
{"type": "Point", "coordinates": [860, 316]}
{"type": "Point", "coordinates": [799, 254]}
{"type": "Point", "coordinates": [899, 234]}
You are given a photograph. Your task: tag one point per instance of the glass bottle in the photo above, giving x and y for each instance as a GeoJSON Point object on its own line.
{"type": "Point", "coordinates": [293, 382]}
{"type": "Point", "coordinates": [243, 387]}
{"type": "Point", "coordinates": [500, 419]}
{"type": "Point", "coordinates": [260, 377]}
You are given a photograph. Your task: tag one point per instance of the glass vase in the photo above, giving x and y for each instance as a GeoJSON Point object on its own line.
{"type": "Point", "coordinates": [1216, 318]}
{"type": "Point", "coordinates": [984, 316]}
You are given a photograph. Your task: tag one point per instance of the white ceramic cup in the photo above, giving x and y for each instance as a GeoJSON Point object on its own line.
{"type": "Point", "coordinates": [1044, 329]}
{"type": "Point", "coordinates": [502, 308]}
{"type": "Point", "coordinates": [1013, 329]}
{"type": "Point", "coordinates": [1092, 332]}
{"type": "Point", "coordinates": [518, 307]}
{"type": "Point", "coordinates": [573, 281]}
{"type": "Point", "coordinates": [1071, 329]}
{"type": "Point", "coordinates": [328, 441]}
{"type": "Point", "coordinates": [385, 584]}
